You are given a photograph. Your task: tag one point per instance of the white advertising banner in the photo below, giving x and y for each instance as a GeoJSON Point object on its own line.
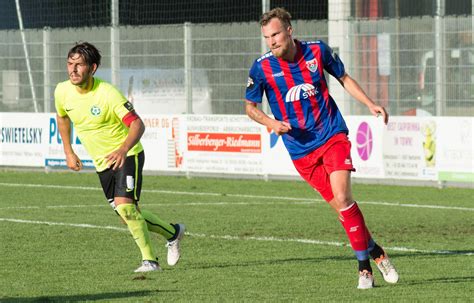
{"type": "Point", "coordinates": [162, 90]}
{"type": "Point", "coordinates": [54, 156]}
{"type": "Point", "coordinates": [366, 136]}
{"type": "Point", "coordinates": [163, 142]}
{"type": "Point", "coordinates": [409, 148]}
{"type": "Point", "coordinates": [223, 144]}
{"type": "Point", "coordinates": [276, 161]}
{"type": "Point", "coordinates": [23, 139]}
{"type": "Point", "coordinates": [455, 149]}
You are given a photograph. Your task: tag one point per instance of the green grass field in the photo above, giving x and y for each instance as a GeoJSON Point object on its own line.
{"type": "Point", "coordinates": [247, 240]}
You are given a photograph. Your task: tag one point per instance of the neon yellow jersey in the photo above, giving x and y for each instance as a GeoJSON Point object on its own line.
{"type": "Point", "coordinates": [97, 118]}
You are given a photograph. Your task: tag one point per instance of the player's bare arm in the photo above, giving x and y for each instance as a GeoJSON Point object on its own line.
{"type": "Point", "coordinates": [116, 159]}
{"type": "Point", "coordinates": [72, 160]}
{"type": "Point", "coordinates": [354, 89]}
{"type": "Point", "coordinates": [279, 127]}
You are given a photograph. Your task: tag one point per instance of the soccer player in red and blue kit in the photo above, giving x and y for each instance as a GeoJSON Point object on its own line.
{"type": "Point", "coordinates": [312, 127]}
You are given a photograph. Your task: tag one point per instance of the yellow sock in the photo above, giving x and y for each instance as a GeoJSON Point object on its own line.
{"type": "Point", "coordinates": [157, 225]}
{"type": "Point", "coordinates": [138, 228]}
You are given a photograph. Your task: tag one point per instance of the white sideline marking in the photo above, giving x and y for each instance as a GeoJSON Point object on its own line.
{"type": "Point", "coordinates": [229, 237]}
{"type": "Point", "coordinates": [62, 224]}
{"type": "Point", "coordinates": [164, 192]}
{"type": "Point", "coordinates": [181, 203]}
{"type": "Point", "coordinates": [307, 200]}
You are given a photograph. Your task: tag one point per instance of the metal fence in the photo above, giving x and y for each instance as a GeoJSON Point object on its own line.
{"type": "Point", "coordinates": [412, 66]}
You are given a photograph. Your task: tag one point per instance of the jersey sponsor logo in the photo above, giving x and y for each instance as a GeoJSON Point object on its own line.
{"type": "Point", "coordinates": [95, 110]}
{"type": "Point", "coordinates": [250, 83]}
{"type": "Point", "coordinates": [312, 65]}
{"type": "Point", "coordinates": [300, 92]}
{"type": "Point", "coordinates": [128, 105]}
{"type": "Point", "coordinates": [280, 74]}
{"type": "Point", "coordinates": [68, 109]}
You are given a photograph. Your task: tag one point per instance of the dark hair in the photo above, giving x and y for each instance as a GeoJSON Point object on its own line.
{"type": "Point", "coordinates": [279, 13]}
{"type": "Point", "coordinates": [88, 51]}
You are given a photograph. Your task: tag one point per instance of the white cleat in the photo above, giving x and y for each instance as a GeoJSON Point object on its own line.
{"type": "Point", "coordinates": [387, 269]}
{"type": "Point", "coordinates": [366, 280]}
{"type": "Point", "coordinates": [173, 246]}
{"type": "Point", "coordinates": [148, 266]}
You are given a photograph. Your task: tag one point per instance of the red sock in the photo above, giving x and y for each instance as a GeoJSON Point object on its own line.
{"type": "Point", "coordinates": [353, 222]}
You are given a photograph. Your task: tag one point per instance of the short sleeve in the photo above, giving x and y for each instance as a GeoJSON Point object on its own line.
{"type": "Point", "coordinates": [120, 105]}
{"type": "Point", "coordinates": [255, 84]}
{"type": "Point", "coordinates": [59, 100]}
{"type": "Point", "coordinates": [332, 63]}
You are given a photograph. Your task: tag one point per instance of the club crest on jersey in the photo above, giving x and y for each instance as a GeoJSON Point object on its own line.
{"type": "Point", "coordinates": [95, 110]}
{"type": "Point", "coordinates": [312, 65]}
{"type": "Point", "coordinates": [300, 92]}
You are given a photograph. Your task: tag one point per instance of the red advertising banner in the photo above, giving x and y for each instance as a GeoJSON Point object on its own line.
{"type": "Point", "coordinates": [222, 142]}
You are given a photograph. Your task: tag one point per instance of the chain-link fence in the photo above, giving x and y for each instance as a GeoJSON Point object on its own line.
{"type": "Point", "coordinates": [411, 65]}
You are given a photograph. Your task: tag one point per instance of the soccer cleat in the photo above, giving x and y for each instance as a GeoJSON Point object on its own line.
{"type": "Point", "coordinates": [387, 269]}
{"type": "Point", "coordinates": [173, 246]}
{"type": "Point", "coordinates": [366, 280]}
{"type": "Point", "coordinates": [148, 265]}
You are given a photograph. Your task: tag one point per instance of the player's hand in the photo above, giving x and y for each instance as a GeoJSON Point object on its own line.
{"type": "Point", "coordinates": [116, 159]}
{"type": "Point", "coordinates": [377, 110]}
{"type": "Point", "coordinates": [73, 162]}
{"type": "Point", "coordinates": [281, 127]}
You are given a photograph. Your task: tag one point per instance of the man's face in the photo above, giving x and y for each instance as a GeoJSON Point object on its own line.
{"type": "Point", "coordinates": [277, 37]}
{"type": "Point", "coordinates": [78, 70]}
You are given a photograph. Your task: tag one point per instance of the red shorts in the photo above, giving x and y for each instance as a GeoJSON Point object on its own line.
{"type": "Point", "coordinates": [316, 166]}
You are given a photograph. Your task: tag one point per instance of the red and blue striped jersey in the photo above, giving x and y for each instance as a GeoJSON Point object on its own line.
{"type": "Point", "coordinates": [297, 93]}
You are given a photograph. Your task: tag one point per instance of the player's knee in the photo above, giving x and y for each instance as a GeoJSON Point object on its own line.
{"type": "Point", "coordinates": [342, 199]}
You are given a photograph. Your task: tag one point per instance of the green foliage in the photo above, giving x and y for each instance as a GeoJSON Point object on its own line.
{"type": "Point", "coordinates": [244, 242]}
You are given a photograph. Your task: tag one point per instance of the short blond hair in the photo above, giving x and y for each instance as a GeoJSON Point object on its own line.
{"type": "Point", "coordinates": [279, 13]}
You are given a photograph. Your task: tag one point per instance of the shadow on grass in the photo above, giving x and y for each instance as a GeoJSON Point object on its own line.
{"type": "Point", "coordinates": [438, 254]}
{"type": "Point", "coordinates": [82, 298]}
{"type": "Point", "coordinates": [442, 280]}
{"type": "Point", "coordinates": [348, 257]}
{"type": "Point", "coordinates": [272, 262]}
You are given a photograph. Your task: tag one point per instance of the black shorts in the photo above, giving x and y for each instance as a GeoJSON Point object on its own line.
{"type": "Point", "coordinates": [125, 181]}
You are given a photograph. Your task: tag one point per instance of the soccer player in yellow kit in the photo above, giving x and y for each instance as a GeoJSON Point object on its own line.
{"type": "Point", "coordinates": [110, 131]}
